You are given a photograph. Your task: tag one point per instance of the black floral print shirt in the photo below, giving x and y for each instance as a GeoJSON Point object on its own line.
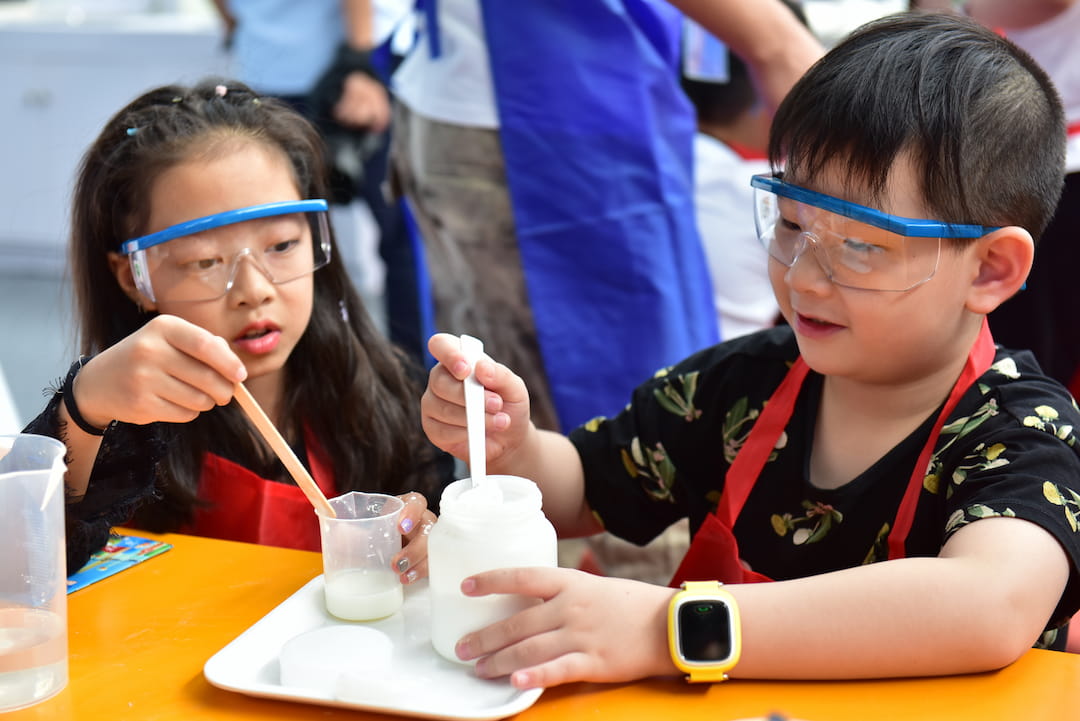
{"type": "Point", "coordinates": [1008, 449]}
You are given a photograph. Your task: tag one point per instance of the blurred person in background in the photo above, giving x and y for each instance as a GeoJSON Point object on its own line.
{"type": "Point", "coordinates": [319, 57]}
{"type": "Point", "coordinates": [546, 150]}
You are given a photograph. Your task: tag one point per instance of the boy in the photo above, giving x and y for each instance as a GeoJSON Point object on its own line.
{"type": "Point", "coordinates": [912, 489]}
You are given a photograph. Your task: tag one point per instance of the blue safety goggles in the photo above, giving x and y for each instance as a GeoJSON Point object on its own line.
{"type": "Point", "coordinates": [198, 259]}
{"type": "Point", "coordinates": [856, 246]}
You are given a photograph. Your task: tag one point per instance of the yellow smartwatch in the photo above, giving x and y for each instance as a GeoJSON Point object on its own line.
{"type": "Point", "coordinates": [704, 631]}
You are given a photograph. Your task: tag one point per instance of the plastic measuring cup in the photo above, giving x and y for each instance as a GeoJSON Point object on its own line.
{"type": "Point", "coordinates": [33, 572]}
{"type": "Point", "coordinates": [357, 547]}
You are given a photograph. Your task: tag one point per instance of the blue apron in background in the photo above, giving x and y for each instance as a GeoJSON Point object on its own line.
{"type": "Point", "coordinates": [616, 273]}
{"type": "Point", "coordinates": [588, 92]}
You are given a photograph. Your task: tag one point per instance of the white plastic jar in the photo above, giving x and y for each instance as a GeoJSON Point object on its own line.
{"type": "Point", "coordinates": [477, 531]}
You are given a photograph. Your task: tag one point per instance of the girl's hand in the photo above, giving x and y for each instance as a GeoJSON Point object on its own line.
{"type": "Point", "coordinates": [442, 406]}
{"type": "Point", "coordinates": [416, 521]}
{"type": "Point", "coordinates": [587, 628]}
{"type": "Point", "coordinates": [168, 370]}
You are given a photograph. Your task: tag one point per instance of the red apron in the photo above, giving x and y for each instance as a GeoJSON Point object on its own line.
{"type": "Point", "coordinates": [246, 507]}
{"type": "Point", "coordinates": [714, 553]}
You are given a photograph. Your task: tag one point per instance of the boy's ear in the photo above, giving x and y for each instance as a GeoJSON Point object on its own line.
{"type": "Point", "coordinates": [120, 266]}
{"type": "Point", "coordinates": [1004, 259]}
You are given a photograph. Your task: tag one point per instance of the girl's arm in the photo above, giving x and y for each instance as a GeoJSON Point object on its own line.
{"type": "Point", "coordinates": [168, 370]}
{"type": "Point", "coordinates": [978, 606]}
{"type": "Point", "coordinates": [125, 477]}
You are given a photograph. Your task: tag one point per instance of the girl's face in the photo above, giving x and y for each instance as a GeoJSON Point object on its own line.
{"type": "Point", "coordinates": [875, 336]}
{"type": "Point", "coordinates": [261, 320]}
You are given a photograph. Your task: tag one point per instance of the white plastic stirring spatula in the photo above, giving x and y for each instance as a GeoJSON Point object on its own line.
{"type": "Point", "coordinates": [473, 348]}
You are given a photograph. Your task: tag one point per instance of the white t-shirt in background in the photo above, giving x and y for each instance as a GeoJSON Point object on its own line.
{"type": "Point", "coordinates": [455, 87]}
{"type": "Point", "coordinates": [738, 262]}
{"type": "Point", "coordinates": [1055, 45]}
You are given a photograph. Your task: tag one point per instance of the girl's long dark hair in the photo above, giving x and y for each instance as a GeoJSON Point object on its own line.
{"type": "Point", "coordinates": [346, 386]}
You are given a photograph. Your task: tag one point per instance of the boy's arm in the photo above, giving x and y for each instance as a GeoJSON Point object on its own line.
{"type": "Point", "coordinates": [768, 37]}
{"type": "Point", "coordinates": [514, 445]}
{"type": "Point", "coordinates": [552, 462]}
{"type": "Point", "coordinates": [978, 606]}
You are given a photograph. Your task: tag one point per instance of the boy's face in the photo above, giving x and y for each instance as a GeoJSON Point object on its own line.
{"type": "Point", "coordinates": [878, 336]}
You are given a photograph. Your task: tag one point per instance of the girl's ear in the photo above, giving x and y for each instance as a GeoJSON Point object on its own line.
{"type": "Point", "coordinates": [120, 266]}
{"type": "Point", "coordinates": [1004, 260]}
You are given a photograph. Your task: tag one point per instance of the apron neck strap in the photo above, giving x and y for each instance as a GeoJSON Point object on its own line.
{"type": "Point", "coordinates": [766, 432]}
{"type": "Point", "coordinates": [978, 362]}
{"type": "Point", "coordinates": [751, 458]}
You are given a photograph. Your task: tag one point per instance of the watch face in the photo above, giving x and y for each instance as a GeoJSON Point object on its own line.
{"type": "Point", "coordinates": [704, 630]}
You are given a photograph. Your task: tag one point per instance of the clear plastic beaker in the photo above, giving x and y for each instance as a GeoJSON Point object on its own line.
{"type": "Point", "coordinates": [357, 547]}
{"type": "Point", "coordinates": [33, 573]}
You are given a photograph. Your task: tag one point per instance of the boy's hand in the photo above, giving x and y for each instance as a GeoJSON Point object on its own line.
{"type": "Point", "coordinates": [588, 628]}
{"type": "Point", "coordinates": [442, 408]}
{"type": "Point", "coordinates": [168, 370]}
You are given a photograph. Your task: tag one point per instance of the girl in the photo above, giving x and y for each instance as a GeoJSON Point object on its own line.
{"type": "Point", "coordinates": [202, 257]}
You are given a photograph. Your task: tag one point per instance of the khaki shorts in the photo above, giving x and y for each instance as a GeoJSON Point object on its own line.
{"type": "Point", "coordinates": [455, 181]}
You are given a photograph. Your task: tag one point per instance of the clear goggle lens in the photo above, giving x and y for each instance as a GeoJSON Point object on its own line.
{"type": "Point", "coordinates": [851, 253]}
{"type": "Point", "coordinates": [285, 241]}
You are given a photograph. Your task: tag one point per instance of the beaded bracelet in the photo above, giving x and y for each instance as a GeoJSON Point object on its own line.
{"type": "Point", "coordinates": [67, 391]}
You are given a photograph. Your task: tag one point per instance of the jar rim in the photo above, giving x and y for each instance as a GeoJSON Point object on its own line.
{"type": "Point", "coordinates": [520, 497]}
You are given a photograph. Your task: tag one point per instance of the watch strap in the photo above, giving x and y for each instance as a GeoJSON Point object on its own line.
{"type": "Point", "coordinates": [696, 673]}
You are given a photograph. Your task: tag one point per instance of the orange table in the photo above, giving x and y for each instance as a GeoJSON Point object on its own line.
{"type": "Point", "coordinates": [138, 642]}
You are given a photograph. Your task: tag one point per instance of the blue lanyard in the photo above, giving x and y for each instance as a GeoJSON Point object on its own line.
{"type": "Point", "coordinates": [430, 8]}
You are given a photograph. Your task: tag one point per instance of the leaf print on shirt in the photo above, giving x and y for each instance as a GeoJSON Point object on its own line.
{"type": "Point", "coordinates": [957, 429]}
{"type": "Point", "coordinates": [1048, 639]}
{"type": "Point", "coordinates": [676, 402]}
{"type": "Point", "coordinates": [963, 516]}
{"type": "Point", "coordinates": [821, 515]}
{"type": "Point", "coordinates": [1068, 499]}
{"type": "Point", "coordinates": [981, 458]}
{"type": "Point", "coordinates": [879, 551]}
{"type": "Point", "coordinates": [652, 468]}
{"type": "Point", "coordinates": [593, 424]}
{"type": "Point", "coordinates": [1044, 419]}
{"type": "Point", "coordinates": [1005, 367]}
{"type": "Point", "coordinates": [735, 432]}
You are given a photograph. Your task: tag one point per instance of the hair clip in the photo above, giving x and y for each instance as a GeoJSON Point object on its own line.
{"type": "Point", "coordinates": [256, 101]}
{"type": "Point", "coordinates": [221, 90]}
{"type": "Point", "coordinates": [177, 99]}
{"type": "Point", "coordinates": [132, 131]}
{"type": "Point", "coordinates": [344, 310]}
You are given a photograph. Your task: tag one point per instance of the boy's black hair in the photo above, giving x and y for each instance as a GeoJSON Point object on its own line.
{"type": "Point", "coordinates": [722, 103]}
{"type": "Point", "coordinates": [979, 119]}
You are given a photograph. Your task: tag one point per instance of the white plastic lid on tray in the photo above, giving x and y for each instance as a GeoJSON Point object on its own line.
{"type": "Point", "coordinates": [299, 652]}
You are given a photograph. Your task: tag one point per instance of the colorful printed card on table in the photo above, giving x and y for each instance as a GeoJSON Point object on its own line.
{"type": "Point", "coordinates": [120, 553]}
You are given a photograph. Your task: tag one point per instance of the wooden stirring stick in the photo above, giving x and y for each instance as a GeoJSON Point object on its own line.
{"type": "Point", "coordinates": [296, 469]}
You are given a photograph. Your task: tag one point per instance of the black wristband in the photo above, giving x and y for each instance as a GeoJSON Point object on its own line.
{"type": "Point", "coordinates": [350, 60]}
{"type": "Point", "coordinates": [67, 391]}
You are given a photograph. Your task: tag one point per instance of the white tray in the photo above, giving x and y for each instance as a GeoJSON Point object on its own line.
{"type": "Point", "coordinates": [415, 682]}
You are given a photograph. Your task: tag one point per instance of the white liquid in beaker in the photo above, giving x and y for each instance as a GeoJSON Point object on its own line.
{"type": "Point", "coordinates": [363, 595]}
{"type": "Point", "coordinates": [33, 656]}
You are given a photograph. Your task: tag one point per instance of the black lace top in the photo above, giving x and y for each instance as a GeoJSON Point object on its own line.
{"type": "Point", "coordinates": [125, 476]}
